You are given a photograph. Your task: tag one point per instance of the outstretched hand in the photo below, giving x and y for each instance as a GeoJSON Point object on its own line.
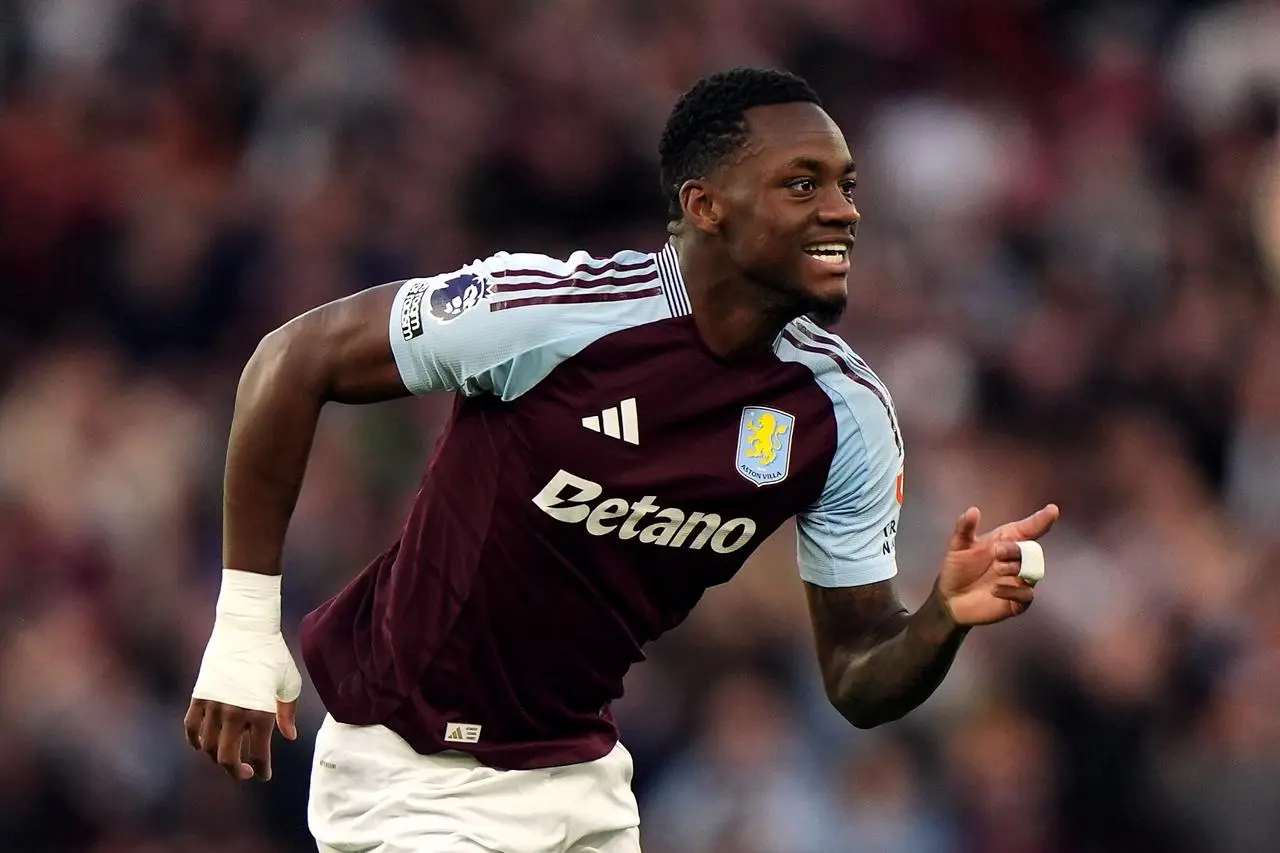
{"type": "Point", "coordinates": [979, 581]}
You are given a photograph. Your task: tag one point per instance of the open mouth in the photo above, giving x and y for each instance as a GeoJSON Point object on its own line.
{"type": "Point", "coordinates": [829, 253]}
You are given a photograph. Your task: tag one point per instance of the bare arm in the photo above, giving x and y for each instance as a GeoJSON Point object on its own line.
{"type": "Point", "coordinates": [339, 352]}
{"type": "Point", "coordinates": [879, 661]}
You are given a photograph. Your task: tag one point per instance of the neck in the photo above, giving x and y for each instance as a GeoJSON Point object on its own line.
{"type": "Point", "coordinates": [736, 317]}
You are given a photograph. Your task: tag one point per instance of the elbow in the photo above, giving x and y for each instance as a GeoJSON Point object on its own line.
{"type": "Point", "coordinates": [288, 355]}
{"type": "Point", "coordinates": [857, 703]}
{"type": "Point", "coordinates": [288, 342]}
{"type": "Point", "coordinates": [273, 361]}
{"type": "Point", "coordinates": [861, 715]}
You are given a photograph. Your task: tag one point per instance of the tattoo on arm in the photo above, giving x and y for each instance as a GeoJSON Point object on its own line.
{"type": "Point", "coordinates": [879, 661]}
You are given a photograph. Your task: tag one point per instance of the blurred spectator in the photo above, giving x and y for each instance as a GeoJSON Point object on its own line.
{"type": "Point", "coordinates": [1068, 274]}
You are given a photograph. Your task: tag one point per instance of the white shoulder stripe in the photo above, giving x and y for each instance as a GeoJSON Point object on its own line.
{"type": "Point", "coordinates": [532, 279]}
{"type": "Point", "coordinates": [814, 332]}
{"type": "Point", "coordinates": [833, 353]}
{"type": "Point", "coordinates": [541, 280]}
{"type": "Point", "coordinates": [673, 281]}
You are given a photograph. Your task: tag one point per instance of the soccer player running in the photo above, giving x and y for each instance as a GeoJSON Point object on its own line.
{"type": "Point", "coordinates": [627, 431]}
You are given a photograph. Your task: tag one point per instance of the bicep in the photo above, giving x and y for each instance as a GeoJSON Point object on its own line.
{"type": "Point", "coordinates": [347, 345]}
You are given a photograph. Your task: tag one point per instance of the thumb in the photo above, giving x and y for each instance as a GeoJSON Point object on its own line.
{"type": "Point", "coordinates": [966, 526]}
{"type": "Point", "coordinates": [286, 718]}
{"type": "Point", "coordinates": [287, 702]}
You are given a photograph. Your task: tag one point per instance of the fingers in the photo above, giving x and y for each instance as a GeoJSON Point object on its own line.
{"type": "Point", "coordinates": [210, 729]}
{"type": "Point", "coordinates": [1014, 590]}
{"type": "Point", "coordinates": [230, 744]}
{"type": "Point", "coordinates": [963, 536]}
{"type": "Point", "coordinates": [1006, 551]}
{"type": "Point", "coordinates": [287, 718]}
{"type": "Point", "coordinates": [258, 746]}
{"type": "Point", "coordinates": [236, 739]}
{"type": "Point", "coordinates": [1006, 568]}
{"type": "Point", "coordinates": [192, 722]}
{"type": "Point", "coordinates": [1038, 523]}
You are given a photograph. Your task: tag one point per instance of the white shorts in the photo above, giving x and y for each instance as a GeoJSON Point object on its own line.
{"type": "Point", "coordinates": [371, 793]}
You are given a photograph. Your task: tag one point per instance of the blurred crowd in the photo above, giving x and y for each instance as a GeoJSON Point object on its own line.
{"type": "Point", "coordinates": [1067, 273]}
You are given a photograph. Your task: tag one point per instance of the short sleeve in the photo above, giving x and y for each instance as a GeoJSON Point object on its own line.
{"type": "Point", "coordinates": [849, 537]}
{"type": "Point", "coordinates": [500, 325]}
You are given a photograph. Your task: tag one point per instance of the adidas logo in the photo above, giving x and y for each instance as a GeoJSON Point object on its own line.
{"type": "Point", "coordinates": [462, 732]}
{"type": "Point", "coordinates": [618, 421]}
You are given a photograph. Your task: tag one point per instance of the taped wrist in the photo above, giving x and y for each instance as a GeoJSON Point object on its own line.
{"type": "Point", "coordinates": [249, 601]}
{"type": "Point", "coordinates": [247, 663]}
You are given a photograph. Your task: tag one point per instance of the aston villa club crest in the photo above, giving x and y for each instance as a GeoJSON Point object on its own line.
{"type": "Point", "coordinates": [764, 445]}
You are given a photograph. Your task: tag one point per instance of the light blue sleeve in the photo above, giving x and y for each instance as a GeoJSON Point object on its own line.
{"type": "Point", "coordinates": [500, 325]}
{"type": "Point", "coordinates": [849, 537]}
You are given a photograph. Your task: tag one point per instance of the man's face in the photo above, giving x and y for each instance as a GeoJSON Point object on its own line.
{"type": "Point", "coordinates": [788, 216]}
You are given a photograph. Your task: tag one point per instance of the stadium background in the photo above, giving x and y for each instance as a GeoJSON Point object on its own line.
{"type": "Point", "coordinates": [1067, 275]}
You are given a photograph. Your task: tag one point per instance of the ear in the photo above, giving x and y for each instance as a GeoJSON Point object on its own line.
{"type": "Point", "coordinates": [701, 207]}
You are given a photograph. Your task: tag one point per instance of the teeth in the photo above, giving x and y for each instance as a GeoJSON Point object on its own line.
{"type": "Point", "coordinates": [831, 253]}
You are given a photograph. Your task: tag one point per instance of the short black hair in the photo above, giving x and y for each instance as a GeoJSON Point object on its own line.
{"type": "Point", "coordinates": [708, 122]}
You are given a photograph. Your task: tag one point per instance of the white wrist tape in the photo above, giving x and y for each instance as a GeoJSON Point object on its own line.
{"type": "Point", "coordinates": [246, 663]}
{"type": "Point", "coordinates": [1032, 570]}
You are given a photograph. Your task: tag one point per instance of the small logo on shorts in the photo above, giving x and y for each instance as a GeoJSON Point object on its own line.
{"type": "Point", "coordinates": [461, 732]}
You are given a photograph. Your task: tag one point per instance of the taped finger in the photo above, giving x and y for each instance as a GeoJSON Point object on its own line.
{"type": "Point", "coordinates": [1032, 570]}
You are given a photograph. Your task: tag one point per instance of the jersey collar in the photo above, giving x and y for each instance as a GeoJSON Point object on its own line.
{"type": "Point", "coordinates": [673, 281]}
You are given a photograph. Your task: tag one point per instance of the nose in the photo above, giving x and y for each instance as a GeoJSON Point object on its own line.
{"type": "Point", "coordinates": [839, 211]}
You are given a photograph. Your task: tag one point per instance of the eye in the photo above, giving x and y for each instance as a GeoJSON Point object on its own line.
{"type": "Point", "coordinates": [804, 185]}
{"type": "Point", "coordinates": [847, 187]}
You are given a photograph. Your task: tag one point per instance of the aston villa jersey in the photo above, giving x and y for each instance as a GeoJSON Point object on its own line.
{"type": "Point", "coordinates": [600, 470]}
